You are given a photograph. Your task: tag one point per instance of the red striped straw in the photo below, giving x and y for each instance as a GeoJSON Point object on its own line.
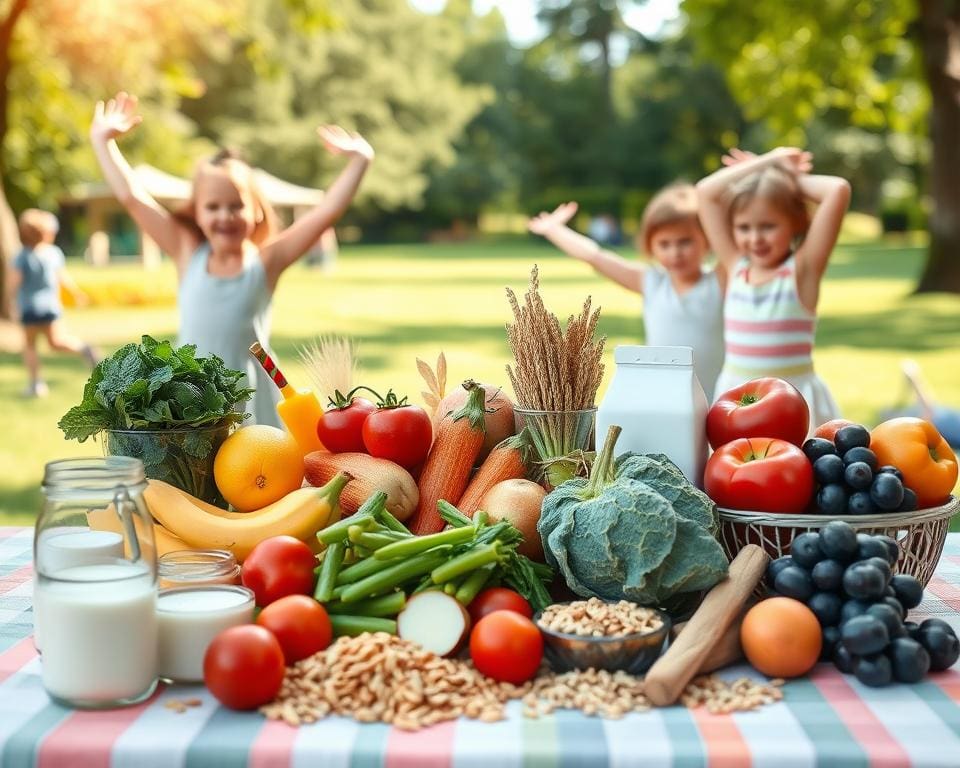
{"type": "Point", "coordinates": [269, 366]}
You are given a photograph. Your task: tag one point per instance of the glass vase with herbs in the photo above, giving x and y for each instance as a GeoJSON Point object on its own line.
{"type": "Point", "coordinates": [555, 377]}
{"type": "Point", "coordinates": [165, 406]}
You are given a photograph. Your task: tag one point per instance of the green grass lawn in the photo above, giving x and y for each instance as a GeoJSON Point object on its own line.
{"type": "Point", "coordinates": [400, 302]}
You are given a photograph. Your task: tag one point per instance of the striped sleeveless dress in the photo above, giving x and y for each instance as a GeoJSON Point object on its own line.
{"type": "Point", "coordinates": [768, 332]}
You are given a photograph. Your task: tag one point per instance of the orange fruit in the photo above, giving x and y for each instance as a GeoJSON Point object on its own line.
{"type": "Point", "coordinates": [828, 430]}
{"type": "Point", "coordinates": [781, 637]}
{"type": "Point", "coordinates": [256, 466]}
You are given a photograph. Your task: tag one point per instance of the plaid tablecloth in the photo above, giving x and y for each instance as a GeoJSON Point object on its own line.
{"type": "Point", "coordinates": [826, 719]}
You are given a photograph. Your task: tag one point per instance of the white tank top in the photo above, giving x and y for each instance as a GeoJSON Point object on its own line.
{"type": "Point", "coordinates": [223, 316]}
{"type": "Point", "coordinates": [694, 319]}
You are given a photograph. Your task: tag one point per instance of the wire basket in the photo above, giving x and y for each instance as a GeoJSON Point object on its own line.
{"type": "Point", "coordinates": [920, 534]}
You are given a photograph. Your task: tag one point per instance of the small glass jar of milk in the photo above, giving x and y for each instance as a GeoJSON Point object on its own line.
{"type": "Point", "coordinates": [95, 590]}
{"type": "Point", "coordinates": [656, 399]}
{"type": "Point", "coordinates": [189, 618]}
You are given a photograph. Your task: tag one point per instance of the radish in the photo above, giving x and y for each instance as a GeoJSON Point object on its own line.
{"type": "Point", "coordinates": [435, 621]}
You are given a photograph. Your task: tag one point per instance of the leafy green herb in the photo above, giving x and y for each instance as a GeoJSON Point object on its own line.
{"type": "Point", "coordinates": [143, 392]}
{"type": "Point", "coordinates": [153, 385]}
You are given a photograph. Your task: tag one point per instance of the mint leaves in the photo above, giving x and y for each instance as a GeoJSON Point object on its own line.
{"type": "Point", "coordinates": [153, 385]}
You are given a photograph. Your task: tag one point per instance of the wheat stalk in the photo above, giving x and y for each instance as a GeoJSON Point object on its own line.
{"type": "Point", "coordinates": [332, 364]}
{"type": "Point", "coordinates": [556, 370]}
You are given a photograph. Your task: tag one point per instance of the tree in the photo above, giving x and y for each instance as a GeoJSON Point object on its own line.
{"type": "Point", "coordinates": [891, 67]}
{"type": "Point", "coordinates": [56, 58]}
{"type": "Point", "coordinates": [383, 69]}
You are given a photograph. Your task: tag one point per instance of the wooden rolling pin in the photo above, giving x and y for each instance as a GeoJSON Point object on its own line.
{"type": "Point", "coordinates": [670, 674]}
{"type": "Point", "coordinates": [727, 651]}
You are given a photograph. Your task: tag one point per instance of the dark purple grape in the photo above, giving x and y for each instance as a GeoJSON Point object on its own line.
{"type": "Point", "coordinates": [870, 546]}
{"type": "Point", "coordinates": [830, 636]}
{"type": "Point", "coordinates": [805, 549]}
{"type": "Point", "coordinates": [889, 469]}
{"type": "Point", "coordinates": [832, 499]}
{"type": "Point", "coordinates": [828, 469]}
{"type": "Point", "coordinates": [842, 658]}
{"type": "Point", "coordinates": [943, 647]}
{"type": "Point", "coordinates": [853, 608]}
{"type": "Point", "coordinates": [895, 604]}
{"type": "Point", "coordinates": [909, 659]}
{"type": "Point", "coordinates": [827, 575]}
{"type": "Point", "coordinates": [838, 540]}
{"type": "Point", "coordinates": [858, 475]}
{"type": "Point", "coordinates": [892, 619]}
{"type": "Point", "coordinates": [860, 453]}
{"type": "Point", "coordinates": [909, 503]}
{"type": "Point", "coordinates": [907, 590]}
{"type": "Point", "coordinates": [893, 549]}
{"type": "Point", "coordinates": [886, 492]}
{"type": "Point", "coordinates": [816, 447]}
{"type": "Point", "coordinates": [794, 582]}
{"type": "Point", "coordinates": [826, 606]}
{"type": "Point", "coordinates": [864, 581]}
{"type": "Point", "coordinates": [776, 566]}
{"type": "Point", "coordinates": [851, 436]}
{"type": "Point", "coordinates": [860, 503]}
{"type": "Point", "coordinates": [864, 634]}
{"type": "Point", "coordinates": [874, 670]}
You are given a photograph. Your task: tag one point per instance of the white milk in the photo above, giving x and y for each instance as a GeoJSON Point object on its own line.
{"type": "Point", "coordinates": [656, 399]}
{"type": "Point", "coordinates": [189, 619]}
{"type": "Point", "coordinates": [70, 547]}
{"type": "Point", "coordinates": [99, 633]}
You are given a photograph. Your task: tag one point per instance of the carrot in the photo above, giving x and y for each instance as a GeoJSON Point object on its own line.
{"type": "Point", "coordinates": [509, 460]}
{"type": "Point", "coordinates": [447, 469]}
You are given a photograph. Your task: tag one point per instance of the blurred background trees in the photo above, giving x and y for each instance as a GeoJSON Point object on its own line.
{"type": "Point", "coordinates": [467, 123]}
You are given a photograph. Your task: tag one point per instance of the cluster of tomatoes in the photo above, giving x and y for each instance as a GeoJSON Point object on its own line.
{"type": "Point", "coordinates": [763, 462]}
{"type": "Point", "coordinates": [387, 429]}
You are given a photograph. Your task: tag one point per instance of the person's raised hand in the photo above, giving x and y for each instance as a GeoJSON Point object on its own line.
{"type": "Point", "coordinates": [792, 159]}
{"type": "Point", "coordinates": [115, 117]}
{"type": "Point", "coordinates": [736, 156]}
{"type": "Point", "coordinates": [543, 222]}
{"type": "Point", "coordinates": [342, 142]}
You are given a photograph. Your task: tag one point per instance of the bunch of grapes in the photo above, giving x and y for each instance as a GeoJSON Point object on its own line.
{"type": "Point", "coordinates": [846, 579]}
{"type": "Point", "coordinates": [849, 480]}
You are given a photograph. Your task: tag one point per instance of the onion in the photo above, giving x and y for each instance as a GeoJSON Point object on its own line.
{"type": "Point", "coordinates": [518, 501]}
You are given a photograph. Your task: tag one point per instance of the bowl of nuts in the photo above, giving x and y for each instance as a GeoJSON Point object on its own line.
{"type": "Point", "coordinates": [599, 634]}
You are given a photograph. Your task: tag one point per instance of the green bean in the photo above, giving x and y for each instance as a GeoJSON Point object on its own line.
{"type": "Point", "coordinates": [367, 567]}
{"type": "Point", "coordinates": [374, 504]}
{"type": "Point", "coordinates": [332, 561]}
{"type": "Point", "coordinates": [372, 541]}
{"type": "Point", "coordinates": [357, 625]}
{"type": "Point", "coordinates": [474, 583]}
{"type": "Point", "coordinates": [468, 561]}
{"type": "Point", "coordinates": [385, 605]}
{"type": "Point", "coordinates": [391, 522]}
{"type": "Point", "coordinates": [339, 530]}
{"type": "Point", "coordinates": [450, 588]}
{"type": "Point", "coordinates": [480, 519]}
{"type": "Point", "coordinates": [452, 515]}
{"type": "Point", "coordinates": [417, 544]}
{"type": "Point", "coordinates": [393, 576]}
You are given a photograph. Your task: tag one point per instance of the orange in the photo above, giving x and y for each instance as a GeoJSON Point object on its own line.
{"type": "Point", "coordinates": [256, 466]}
{"type": "Point", "coordinates": [781, 637]}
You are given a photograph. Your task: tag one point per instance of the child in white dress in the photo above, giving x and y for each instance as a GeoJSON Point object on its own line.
{"type": "Point", "coordinates": [682, 300]}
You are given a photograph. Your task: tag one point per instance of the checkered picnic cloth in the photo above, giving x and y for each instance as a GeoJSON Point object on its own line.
{"type": "Point", "coordinates": [826, 719]}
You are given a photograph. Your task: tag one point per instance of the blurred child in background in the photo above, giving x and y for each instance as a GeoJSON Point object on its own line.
{"type": "Point", "coordinates": [226, 246]}
{"type": "Point", "coordinates": [39, 271]}
{"type": "Point", "coordinates": [682, 299]}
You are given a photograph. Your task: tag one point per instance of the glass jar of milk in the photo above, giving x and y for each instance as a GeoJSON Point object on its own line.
{"type": "Point", "coordinates": [95, 588]}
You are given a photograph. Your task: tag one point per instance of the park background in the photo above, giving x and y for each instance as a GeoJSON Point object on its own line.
{"type": "Point", "coordinates": [475, 130]}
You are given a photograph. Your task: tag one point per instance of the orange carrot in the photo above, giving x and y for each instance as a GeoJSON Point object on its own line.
{"type": "Point", "coordinates": [447, 469]}
{"type": "Point", "coordinates": [509, 460]}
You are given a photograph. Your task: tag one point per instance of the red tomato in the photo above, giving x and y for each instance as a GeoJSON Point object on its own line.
{"type": "Point", "coordinates": [759, 475]}
{"type": "Point", "coordinates": [760, 408]}
{"type": "Point", "coordinates": [277, 567]}
{"type": "Point", "coordinates": [300, 624]}
{"type": "Point", "coordinates": [506, 646]}
{"type": "Point", "coordinates": [340, 429]}
{"type": "Point", "coordinates": [402, 434]}
{"type": "Point", "coordinates": [498, 599]}
{"type": "Point", "coordinates": [243, 667]}
{"type": "Point", "coordinates": [828, 430]}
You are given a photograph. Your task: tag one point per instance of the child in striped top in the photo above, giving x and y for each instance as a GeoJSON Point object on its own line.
{"type": "Point", "coordinates": [682, 298]}
{"type": "Point", "coordinates": [755, 214]}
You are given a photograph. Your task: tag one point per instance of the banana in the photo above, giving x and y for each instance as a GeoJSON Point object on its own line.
{"type": "Point", "coordinates": [301, 513]}
{"type": "Point", "coordinates": [159, 493]}
{"type": "Point", "coordinates": [106, 520]}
